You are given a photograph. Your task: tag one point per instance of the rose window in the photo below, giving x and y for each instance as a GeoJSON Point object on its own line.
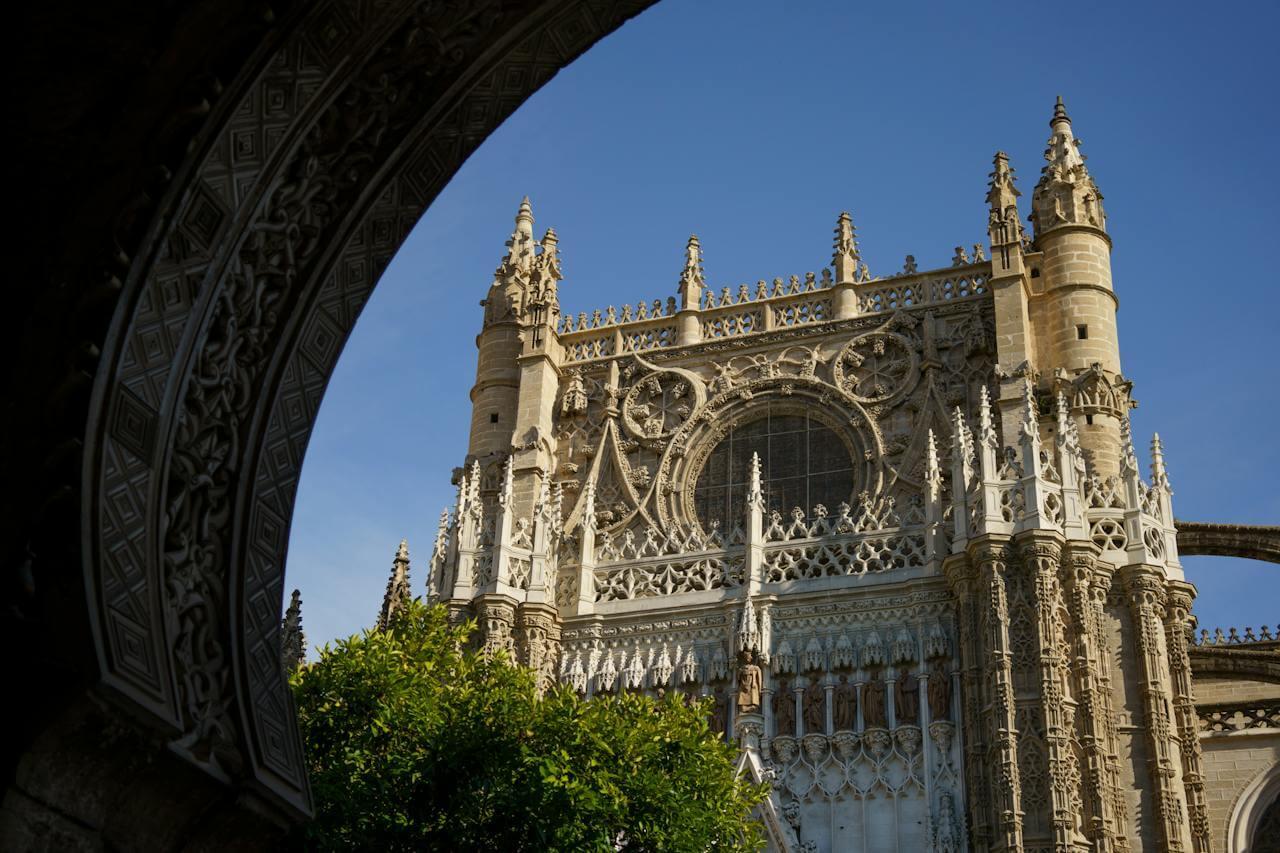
{"type": "Point", "coordinates": [803, 463]}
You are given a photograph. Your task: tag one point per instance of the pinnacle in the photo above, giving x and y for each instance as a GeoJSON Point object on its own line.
{"type": "Point", "coordinates": [402, 553]}
{"type": "Point", "coordinates": [1059, 113]}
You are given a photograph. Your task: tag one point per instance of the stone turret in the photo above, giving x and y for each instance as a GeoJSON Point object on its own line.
{"type": "Point", "coordinates": [494, 395]}
{"type": "Point", "coordinates": [517, 371]}
{"type": "Point", "coordinates": [1077, 347]}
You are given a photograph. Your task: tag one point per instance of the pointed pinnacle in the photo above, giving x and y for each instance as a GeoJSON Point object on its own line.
{"type": "Point", "coordinates": [402, 553]}
{"type": "Point", "coordinates": [1059, 113]}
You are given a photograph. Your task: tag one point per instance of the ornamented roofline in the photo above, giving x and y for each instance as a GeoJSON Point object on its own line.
{"type": "Point", "coordinates": [798, 303]}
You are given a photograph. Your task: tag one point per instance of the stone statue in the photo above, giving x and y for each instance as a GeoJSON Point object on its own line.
{"type": "Point", "coordinates": [846, 705]}
{"type": "Point", "coordinates": [719, 711]}
{"type": "Point", "coordinates": [939, 695]}
{"type": "Point", "coordinates": [784, 710]}
{"type": "Point", "coordinates": [907, 699]}
{"type": "Point", "coordinates": [873, 703]}
{"type": "Point", "coordinates": [749, 684]}
{"type": "Point", "coordinates": [815, 708]}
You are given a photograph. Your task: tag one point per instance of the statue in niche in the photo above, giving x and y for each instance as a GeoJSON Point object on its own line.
{"type": "Point", "coordinates": [815, 708]}
{"type": "Point", "coordinates": [719, 711]}
{"type": "Point", "coordinates": [939, 695]}
{"type": "Point", "coordinates": [749, 684]}
{"type": "Point", "coordinates": [873, 703]}
{"type": "Point", "coordinates": [907, 699]}
{"type": "Point", "coordinates": [846, 705]}
{"type": "Point", "coordinates": [945, 836]}
{"type": "Point", "coordinates": [784, 710]}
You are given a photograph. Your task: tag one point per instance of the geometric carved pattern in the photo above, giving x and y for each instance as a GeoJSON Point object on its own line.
{"type": "Point", "coordinates": [276, 181]}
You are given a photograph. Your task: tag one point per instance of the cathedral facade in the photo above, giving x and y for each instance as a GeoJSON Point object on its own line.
{"type": "Point", "coordinates": [894, 526]}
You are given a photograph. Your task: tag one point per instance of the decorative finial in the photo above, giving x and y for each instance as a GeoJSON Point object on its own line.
{"type": "Point", "coordinates": [1059, 113]}
{"type": "Point", "coordinates": [549, 260]}
{"type": "Point", "coordinates": [1030, 418]}
{"type": "Point", "coordinates": [932, 470]}
{"type": "Point", "coordinates": [1129, 462]}
{"type": "Point", "coordinates": [691, 278]}
{"type": "Point", "coordinates": [1159, 474]}
{"type": "Point", "coordinates": [755, 492]}
{"type": "Point", "coordinates": [1002, 198]}
{"type": "Point", "coordinates": [844, 256]}
{"type": "Point", "coordinates": [986, 426]}
{"type": "Point", "coordinates": [589, 505]}
{"type": "Point", "coordinates": [507, 494]}
{"type": "Point", "coordinates": [748, 631]}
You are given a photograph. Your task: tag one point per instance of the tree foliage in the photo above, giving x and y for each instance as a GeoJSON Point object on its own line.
{"type": "Point", "coordinates": [415, 742]}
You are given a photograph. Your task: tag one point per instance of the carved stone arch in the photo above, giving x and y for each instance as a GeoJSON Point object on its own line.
{"type": "Point", "coordinates": [692, 444]}
{"type": "Point", "coordinates": [1255, 807]}
{"type": "Point", "coordinates": [232, 265]}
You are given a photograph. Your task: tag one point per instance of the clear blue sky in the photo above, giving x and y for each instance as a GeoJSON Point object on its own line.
{"type": "Point", "coordinates": [754, 128]}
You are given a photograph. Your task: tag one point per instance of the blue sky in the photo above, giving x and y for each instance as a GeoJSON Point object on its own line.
{"type": "Point", "coordinates": [753, 129]}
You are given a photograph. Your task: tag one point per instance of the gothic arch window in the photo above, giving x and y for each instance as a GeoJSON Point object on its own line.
{"type": "Point", "coordinates": [803, 463]}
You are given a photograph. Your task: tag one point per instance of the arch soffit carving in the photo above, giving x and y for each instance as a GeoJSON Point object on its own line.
{"type": "Point", "coordinates": [253, 271]}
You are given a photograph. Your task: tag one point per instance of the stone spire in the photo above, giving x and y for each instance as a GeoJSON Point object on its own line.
{"type": "Point", "coordinates": [1159, 473]}
{"type": "Point", "coordinates": [398, 593]}
{"type": "Point", "coordinates": [845, 257]}
{"type": "Point", "coordinates": [547, 273]}
{"type": "Point", "coordinates": [1004, 227]}
{"type": "Point", "coordinates": [1066, 193]}
{"type": "Point", "coordinates": [691, 279]}
{"type": "Point", "coordinates": [1002, 193]}
{"type": "Point", "coordinates": [293, 643]}
{"type": "Point", "coordinates": [520, 246]}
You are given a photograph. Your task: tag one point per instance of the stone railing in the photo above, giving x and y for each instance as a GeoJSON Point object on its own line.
{"type": "Point", "coordinates": [1234, 638]}
{"type": "Point", "coordinates": [794, 302]}
{"type": "Point", "coordinates": [667, 562]}
{"type": "Point", "coordinates": [1226, 718]}
{"type": "Point", "coordinates": [873, 539]}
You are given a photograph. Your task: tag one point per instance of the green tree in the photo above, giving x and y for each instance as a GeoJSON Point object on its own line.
{"type": "Point", "coordinates": [414, 742]}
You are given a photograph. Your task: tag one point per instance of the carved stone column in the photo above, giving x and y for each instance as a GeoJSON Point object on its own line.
{"type": "Point", "coordinates": [1099, 816]}
{"type": "Point", "coordinates": [1002, 742]}
{"type": "Point", "coordinates": [963, 577]}
{"type": "Point", "coordinates": [1100, 593]}
{"type": "Point", "coordinates": [538, 641]}
{"type": "Point", "coordinates": [1177, 615]}
{"type": "Point", "coordinates": [1040, 560]}
{"type": "Point", "coordinates": [1145, 590]}
{"type": "Point", "coordinates": [496, 614]}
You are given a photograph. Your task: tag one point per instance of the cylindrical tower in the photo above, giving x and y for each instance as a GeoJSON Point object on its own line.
{"type": "Point", "coordinates": [1073, 308]}
{"type": "Point", "coordinates": [495, 395]}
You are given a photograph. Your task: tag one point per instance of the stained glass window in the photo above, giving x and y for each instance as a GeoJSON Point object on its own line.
{"type": "Point", "coordinates": [803, 463]}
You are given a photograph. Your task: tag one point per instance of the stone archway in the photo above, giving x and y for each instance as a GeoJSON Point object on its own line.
{"type": "Point", "coordinates": [1255, 818]}
{"type": "Point", "coordinates": [225, 269]}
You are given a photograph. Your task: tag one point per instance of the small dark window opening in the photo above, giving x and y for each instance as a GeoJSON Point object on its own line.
{"type": "Point", "coordinates": [493, 417]}
{"type": "Point", "coordinates": [1035, 272]}
{"type": "Point", "coordinates": [1088, 419]}
{"type": "Point", "coordinates": [1082, 333]}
